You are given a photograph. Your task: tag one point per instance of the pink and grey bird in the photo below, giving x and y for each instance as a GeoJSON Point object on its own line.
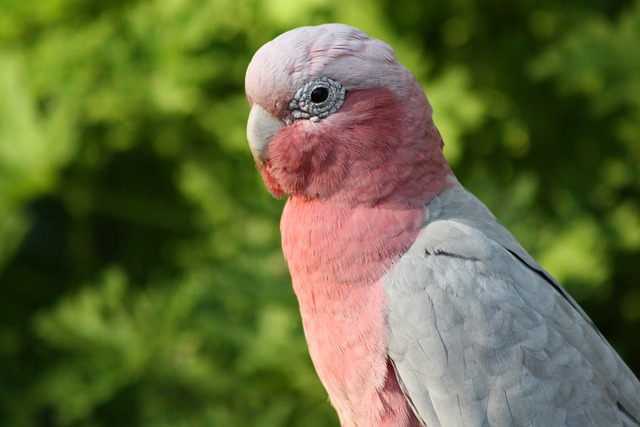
{"type": "Point", "coordinates": [418, 306]}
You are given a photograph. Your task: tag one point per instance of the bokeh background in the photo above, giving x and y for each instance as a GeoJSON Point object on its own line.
{"type": "Point", "coordinates": [141, 277]}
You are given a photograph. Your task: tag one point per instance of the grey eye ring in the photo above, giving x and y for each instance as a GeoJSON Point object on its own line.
{"type": "Point", "coordinates": [317, 99]}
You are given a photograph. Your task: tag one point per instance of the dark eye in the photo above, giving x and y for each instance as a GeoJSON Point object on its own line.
{"type": "Point", "coordinates": [319, 94]}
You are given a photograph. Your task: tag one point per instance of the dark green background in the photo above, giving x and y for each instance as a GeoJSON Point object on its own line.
{"type": "Point", "coordinates": [141, 277]}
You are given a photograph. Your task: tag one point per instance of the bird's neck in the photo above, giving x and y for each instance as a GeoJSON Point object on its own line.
{"type": "Point", "coordinates": [337, 257]}
{"type": "Point", "coordinates": [334, 248]}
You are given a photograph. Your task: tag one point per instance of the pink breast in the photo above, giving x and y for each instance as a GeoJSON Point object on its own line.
{"type": "Point", "coordinates": [337, 257]}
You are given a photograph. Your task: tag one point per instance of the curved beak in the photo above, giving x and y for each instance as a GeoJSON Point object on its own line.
{"type": "Point", "coordinates": [261, 127]}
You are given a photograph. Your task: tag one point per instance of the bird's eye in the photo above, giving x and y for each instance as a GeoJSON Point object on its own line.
{"type": "Point", "coordinates": [319, 94]}
{"type": "Point", "coordinates": [317, 98]}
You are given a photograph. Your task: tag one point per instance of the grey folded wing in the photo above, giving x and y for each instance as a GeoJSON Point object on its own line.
{"type": "Point", "coordinates": [480, 335]}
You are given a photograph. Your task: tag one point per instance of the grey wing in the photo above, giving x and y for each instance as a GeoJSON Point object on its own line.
{"type": "Point", "coordinates": [480, 335]}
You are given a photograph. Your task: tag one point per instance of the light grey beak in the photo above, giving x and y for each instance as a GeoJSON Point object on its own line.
{"type": "Point", "coordinates": [261, 127]}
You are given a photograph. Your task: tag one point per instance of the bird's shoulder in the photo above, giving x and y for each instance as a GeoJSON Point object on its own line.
{"type": "Point", "coordinates": [480, 334]}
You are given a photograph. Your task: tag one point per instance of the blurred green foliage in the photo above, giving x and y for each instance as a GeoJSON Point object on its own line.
{"type": "Point", "coordinates": [141, 275]}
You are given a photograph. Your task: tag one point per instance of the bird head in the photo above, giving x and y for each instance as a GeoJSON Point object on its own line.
{"type": "Point", "coordinates": [334, 116]}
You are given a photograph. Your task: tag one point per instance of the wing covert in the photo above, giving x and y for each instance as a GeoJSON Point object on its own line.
{"type": "Point", "coordinates": [479, 336]}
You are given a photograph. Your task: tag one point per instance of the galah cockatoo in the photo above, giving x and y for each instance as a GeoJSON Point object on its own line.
{"type": "Point", "coordinates": [418, 306]}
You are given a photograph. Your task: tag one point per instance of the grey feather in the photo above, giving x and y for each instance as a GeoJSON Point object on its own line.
{"type": "Point", "coordinates": [481, 335]}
